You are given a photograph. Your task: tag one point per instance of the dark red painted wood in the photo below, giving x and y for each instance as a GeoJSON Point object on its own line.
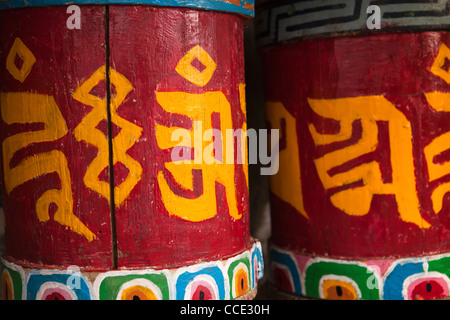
{"type": "Point", "coordinates": [396, 66]}
{"type": "Point", "coordinates": [146, 45]}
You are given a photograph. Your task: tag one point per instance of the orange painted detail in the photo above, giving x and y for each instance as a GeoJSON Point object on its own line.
{"type": "Point", "coordinates": [7, 287]}
{"type": "Point", "coordinates": [338, 290]}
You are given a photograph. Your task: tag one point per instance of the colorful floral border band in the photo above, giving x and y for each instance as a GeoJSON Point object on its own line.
{"type": "Point", "coordinates": [415, 278]}
{"type": "Point", "coordinates": [233, 278]}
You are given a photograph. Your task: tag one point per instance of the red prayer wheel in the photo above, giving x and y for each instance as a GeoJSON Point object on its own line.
{"type": "Point", "coordinates": [104, 109]}
{"type": "Point", "coordinates": [360, 91]}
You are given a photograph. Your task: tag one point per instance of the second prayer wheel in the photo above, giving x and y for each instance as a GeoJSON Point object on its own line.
{"type": "Point", "coordinates": [360, 92]}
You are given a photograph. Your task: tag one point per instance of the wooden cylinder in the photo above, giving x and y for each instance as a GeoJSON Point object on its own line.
{"type": "Point", "coordinates": [108, 192]}
{"type": "Point", "coordinates": [360, 202]}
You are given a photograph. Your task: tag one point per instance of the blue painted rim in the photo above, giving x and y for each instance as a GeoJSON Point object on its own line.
{"type": "Point", "coordinates": [246, 7]}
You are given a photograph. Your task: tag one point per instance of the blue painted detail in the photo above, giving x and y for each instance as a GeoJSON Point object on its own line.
{"type": "Point", "coordinates": [258, 259]}
{"type": "Point", "coordinates": [36, 280]}
{"type": "Point", "coordinates": [286, 259]}
{"type": "Point", "coordinates": [246, 7]}
{"type": "Point", "coordinates": [393, 284]}
{"type": "Point", "coordinates": [185, 278]}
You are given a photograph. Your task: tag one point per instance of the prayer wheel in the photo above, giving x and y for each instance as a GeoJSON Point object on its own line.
{"type": "Point", "coordinates": [360, 94]}
{"type": "Point", "coordinates": [112, 186]}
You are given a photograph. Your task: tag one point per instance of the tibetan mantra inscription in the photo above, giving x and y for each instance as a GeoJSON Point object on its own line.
{"type": "Point", "coordinates": [66, 106]}
{"type": "Point", "coordinates": [365, 130]}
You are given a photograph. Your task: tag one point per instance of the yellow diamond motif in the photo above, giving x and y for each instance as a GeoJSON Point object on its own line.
{"type": "Point", "coordinates": [185, 68]}
{"type": "Point", "coordinates": [20, 49]}
{"type": "Point", "coordinates": [438, 64]}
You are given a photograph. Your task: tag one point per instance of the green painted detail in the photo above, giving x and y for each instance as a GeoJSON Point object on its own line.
{"type": "Point", "coordinates": [231, 269]}
{"type": "Point", "coordinates": [17, 281]}
{"type": "Point", "coordinates": [364, 278]}
{"type": "Point", "coordinates": [110, 286]}
{"type": "Point", "coordinates": [441, 265]}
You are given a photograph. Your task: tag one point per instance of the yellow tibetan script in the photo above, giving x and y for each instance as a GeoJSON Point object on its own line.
{"type": "Point", "coordinates": [287, 183]}
{"type": "Point", "coordinates": [124, 140]}
{"type": "Point", "coordinates": [439, 102]}
{"type": "Point", "coordinates": [200, 108]}
{"type": "Point", "coordinates": [22, 108]}
{"type": "Point", "coordinates": [357, 200]}
{"type": "Point", "coordinates": [338, 168]}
